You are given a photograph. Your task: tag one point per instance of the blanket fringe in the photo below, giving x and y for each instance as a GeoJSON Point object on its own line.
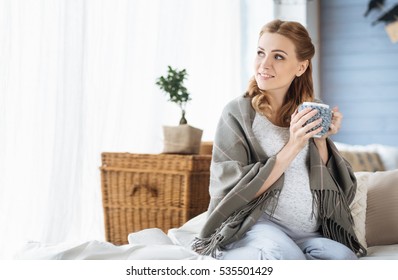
{"type": "Point", "coordinates": [208, 246]}
{"type": "Point", "coordinates": [333, 209]}
{"type": "Point", "coordinates": [212, 245]}
{"type": "Point", "coordinates": [334, 231]}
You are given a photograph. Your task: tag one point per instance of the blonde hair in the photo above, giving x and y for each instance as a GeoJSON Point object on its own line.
{"type": "Point", "coordinates": [301, 89]}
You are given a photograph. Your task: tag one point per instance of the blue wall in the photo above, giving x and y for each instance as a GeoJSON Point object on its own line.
{"type": "Point", "coordinates": [359, 71]}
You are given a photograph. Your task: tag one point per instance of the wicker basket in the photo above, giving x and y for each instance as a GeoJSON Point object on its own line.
{"type": "Point", "coordinates": [152, 190]}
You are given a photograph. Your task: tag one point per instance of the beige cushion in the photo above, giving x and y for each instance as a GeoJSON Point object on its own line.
{"type": "Point", "coordinates": [358, 206]}
{"type": "Point", "coordinates": [363, 161]}
{"type": "Point", "coordinates": [382, 208]}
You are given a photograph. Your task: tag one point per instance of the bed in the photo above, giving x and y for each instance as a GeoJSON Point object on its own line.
{"type": "Point", "coordinates": [377, 196]}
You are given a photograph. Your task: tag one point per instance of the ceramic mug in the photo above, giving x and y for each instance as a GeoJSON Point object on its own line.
{"type": "Point", "coordinates": [324, 112]}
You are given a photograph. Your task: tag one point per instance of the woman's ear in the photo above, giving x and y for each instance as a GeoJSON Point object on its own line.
{"type": "Point", "coordinates": [302, 67]}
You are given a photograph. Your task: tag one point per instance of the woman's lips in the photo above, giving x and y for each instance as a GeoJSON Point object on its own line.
{"type": "Point", "coordinates": [265, 76]}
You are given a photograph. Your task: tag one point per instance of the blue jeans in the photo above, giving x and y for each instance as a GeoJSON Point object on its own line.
{"type": "Point", "coordinates": [268, 240]}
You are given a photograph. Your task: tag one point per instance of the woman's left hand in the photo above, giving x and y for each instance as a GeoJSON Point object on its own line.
{"type": "Point", "coordinates": [335, 126]}
{"type": "Point", "coordinates": [337, 118]}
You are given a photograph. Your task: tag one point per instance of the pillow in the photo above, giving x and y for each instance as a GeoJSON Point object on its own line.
{"type": "Point", "coordinates": [388, 154]}
{"type": "Point", "coordinates": [358, 206]}
{"type": "Point", "coordinates": [382, 208]}
{"type": "Point", "coordinates": [363, 161]}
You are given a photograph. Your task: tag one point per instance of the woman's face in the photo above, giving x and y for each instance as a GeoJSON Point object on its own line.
{"type": "Point", "coordinates": [276, 64]}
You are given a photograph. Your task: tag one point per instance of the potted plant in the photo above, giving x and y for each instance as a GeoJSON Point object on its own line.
{"type": "Point", "coordinates": [181, 139]}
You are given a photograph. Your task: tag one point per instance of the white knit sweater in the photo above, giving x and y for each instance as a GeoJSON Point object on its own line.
{"type": "Point", "coordinates": [294, 209]}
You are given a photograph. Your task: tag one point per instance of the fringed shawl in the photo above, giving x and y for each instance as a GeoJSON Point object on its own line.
{"type": "Point", "coordinates": [238, 170]}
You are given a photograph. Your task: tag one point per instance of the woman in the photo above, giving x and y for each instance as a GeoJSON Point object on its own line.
{"type": "Point", "coordinates": [277, 192]}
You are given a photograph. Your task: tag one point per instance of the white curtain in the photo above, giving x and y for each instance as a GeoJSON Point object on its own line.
{"type": "Point", "coordinates": [77, 78]}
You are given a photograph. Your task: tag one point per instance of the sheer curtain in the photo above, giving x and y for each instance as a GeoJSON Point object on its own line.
{"type": "Point", "coordinates": [77, 78]}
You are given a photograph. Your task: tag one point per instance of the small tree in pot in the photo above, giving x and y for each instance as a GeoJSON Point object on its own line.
{"type": "Point", "coordinates": [182, 139]}
{"type": "Point", "coordinates": [173, 85]}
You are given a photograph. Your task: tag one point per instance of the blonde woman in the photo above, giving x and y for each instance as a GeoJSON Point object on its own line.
{"type": "Point", "coordinates": [276, 191]}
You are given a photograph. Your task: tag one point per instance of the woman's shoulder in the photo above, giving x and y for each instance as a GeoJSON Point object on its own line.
{"type": "Point", "coordinates": [239, 104]}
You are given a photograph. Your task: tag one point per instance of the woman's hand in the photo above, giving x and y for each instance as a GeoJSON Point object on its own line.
{"type": "Point", "coordinates": [299, 132]}
{"type": "Point", "coordinates": [335, 126]}
{"type": "Point", "coordinates": [299, 136]}
{"type": "Point", "coordinates": [337, 118]}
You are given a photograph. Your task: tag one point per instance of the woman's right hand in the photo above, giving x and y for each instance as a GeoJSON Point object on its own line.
{"type": "Point", "coordinates": [299, 132]}
{"type": "Point", "coordinates": [299, 136]}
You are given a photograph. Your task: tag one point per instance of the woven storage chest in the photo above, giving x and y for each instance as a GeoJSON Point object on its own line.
{"type": "Point", "coordinates": [152, 190]}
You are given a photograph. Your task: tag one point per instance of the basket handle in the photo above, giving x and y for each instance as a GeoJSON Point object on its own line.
{"type": "Point", "coordinates": [136, 187]}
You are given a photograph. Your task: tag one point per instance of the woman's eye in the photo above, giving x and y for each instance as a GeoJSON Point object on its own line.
{"type": "Point", "coordinates": [278, 57]}
{"type": "Point", "coordinates": [260, 53]}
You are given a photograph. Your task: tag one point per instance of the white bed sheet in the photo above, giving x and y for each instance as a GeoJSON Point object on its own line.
{"type": "Point", "coordinates": [148, 244]}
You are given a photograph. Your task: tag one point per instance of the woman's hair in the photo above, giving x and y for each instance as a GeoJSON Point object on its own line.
{"type": "Point", "coordinates": [301, 88]}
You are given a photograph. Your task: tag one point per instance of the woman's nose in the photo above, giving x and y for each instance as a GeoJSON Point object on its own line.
{"type": "Point", "coordinates": [265, 62]}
